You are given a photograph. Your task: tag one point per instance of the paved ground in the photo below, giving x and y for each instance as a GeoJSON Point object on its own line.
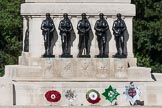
{"type": "Point", "coordinates": [79, 107]}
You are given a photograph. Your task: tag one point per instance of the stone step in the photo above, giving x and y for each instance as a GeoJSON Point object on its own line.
{"type": "Point", "coordinates": [78, 69]}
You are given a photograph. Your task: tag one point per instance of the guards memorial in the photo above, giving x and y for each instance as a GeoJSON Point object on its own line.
{"type": "Point", "coordinates": [56, 65]}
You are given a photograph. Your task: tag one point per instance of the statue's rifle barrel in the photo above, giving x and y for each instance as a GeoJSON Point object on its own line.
{"type": "Point", "coordinates": [48, 40]}
{"type": "Point", "coordinates": [66, 41]}
{"type": "Point", "coordinates": [84, 48]}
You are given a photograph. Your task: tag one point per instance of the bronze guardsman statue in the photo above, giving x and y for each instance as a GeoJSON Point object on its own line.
{"type": "Point", "coordinates": [83, 31]}
{"type": "Point", "coordinates": [101, 28]}
{"type": "Point", "coordinates": [48, 28]}
{"type": "Point", "coordinates": [65, 28]}
{"type": "Point", "coordinates": [119, 28]}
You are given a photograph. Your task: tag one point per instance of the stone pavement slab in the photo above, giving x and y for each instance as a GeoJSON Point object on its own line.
{"type": "Point", "coordinates": [80, 107]}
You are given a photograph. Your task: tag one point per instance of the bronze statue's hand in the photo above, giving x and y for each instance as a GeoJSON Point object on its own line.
{"type": "Point", "coordinates": [51, 30]}
{"type": "Point", "coordinates": [66, 30]}
{"type": "Point", "coordinates": [45, 30]}
{"type": "Point", "coordinates": [102, 30]}
{"type": "Point", "coordinates": [84, 30]}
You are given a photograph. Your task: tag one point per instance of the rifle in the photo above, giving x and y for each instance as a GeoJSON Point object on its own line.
{"type": "Point", "coordinates": [48, 41]}
{"type": "Point", "coordinates": [84, 43]}
{"type": "Point", "coordinates": [66, 43]}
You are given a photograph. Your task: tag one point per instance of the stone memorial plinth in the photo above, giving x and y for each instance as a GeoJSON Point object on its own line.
{"type": "Point", "coordinates": [27, 83]}
{"type": "Point", "coordinates": [79, 69]}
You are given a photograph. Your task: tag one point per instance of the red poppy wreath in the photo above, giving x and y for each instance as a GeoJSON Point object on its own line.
{"type": "Point", "coordinates": [93, 96]}
{"type": "Point", "coordinates": [53, 96]}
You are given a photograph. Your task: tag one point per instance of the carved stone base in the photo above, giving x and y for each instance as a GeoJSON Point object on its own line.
{"type": "Point", "coordinates": [79, 69]}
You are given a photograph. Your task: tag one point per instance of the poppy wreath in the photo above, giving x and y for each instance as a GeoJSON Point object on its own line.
{"type": "Point", "coordinates": [93, 96]}
{"type": "Point", "coordinates": [53, 96]}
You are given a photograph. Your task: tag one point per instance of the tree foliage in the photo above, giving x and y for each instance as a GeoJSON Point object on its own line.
{"type": "Point", "coordinates": [148, 33]}
{"type": "Point", "coordinates": [10, 32]}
